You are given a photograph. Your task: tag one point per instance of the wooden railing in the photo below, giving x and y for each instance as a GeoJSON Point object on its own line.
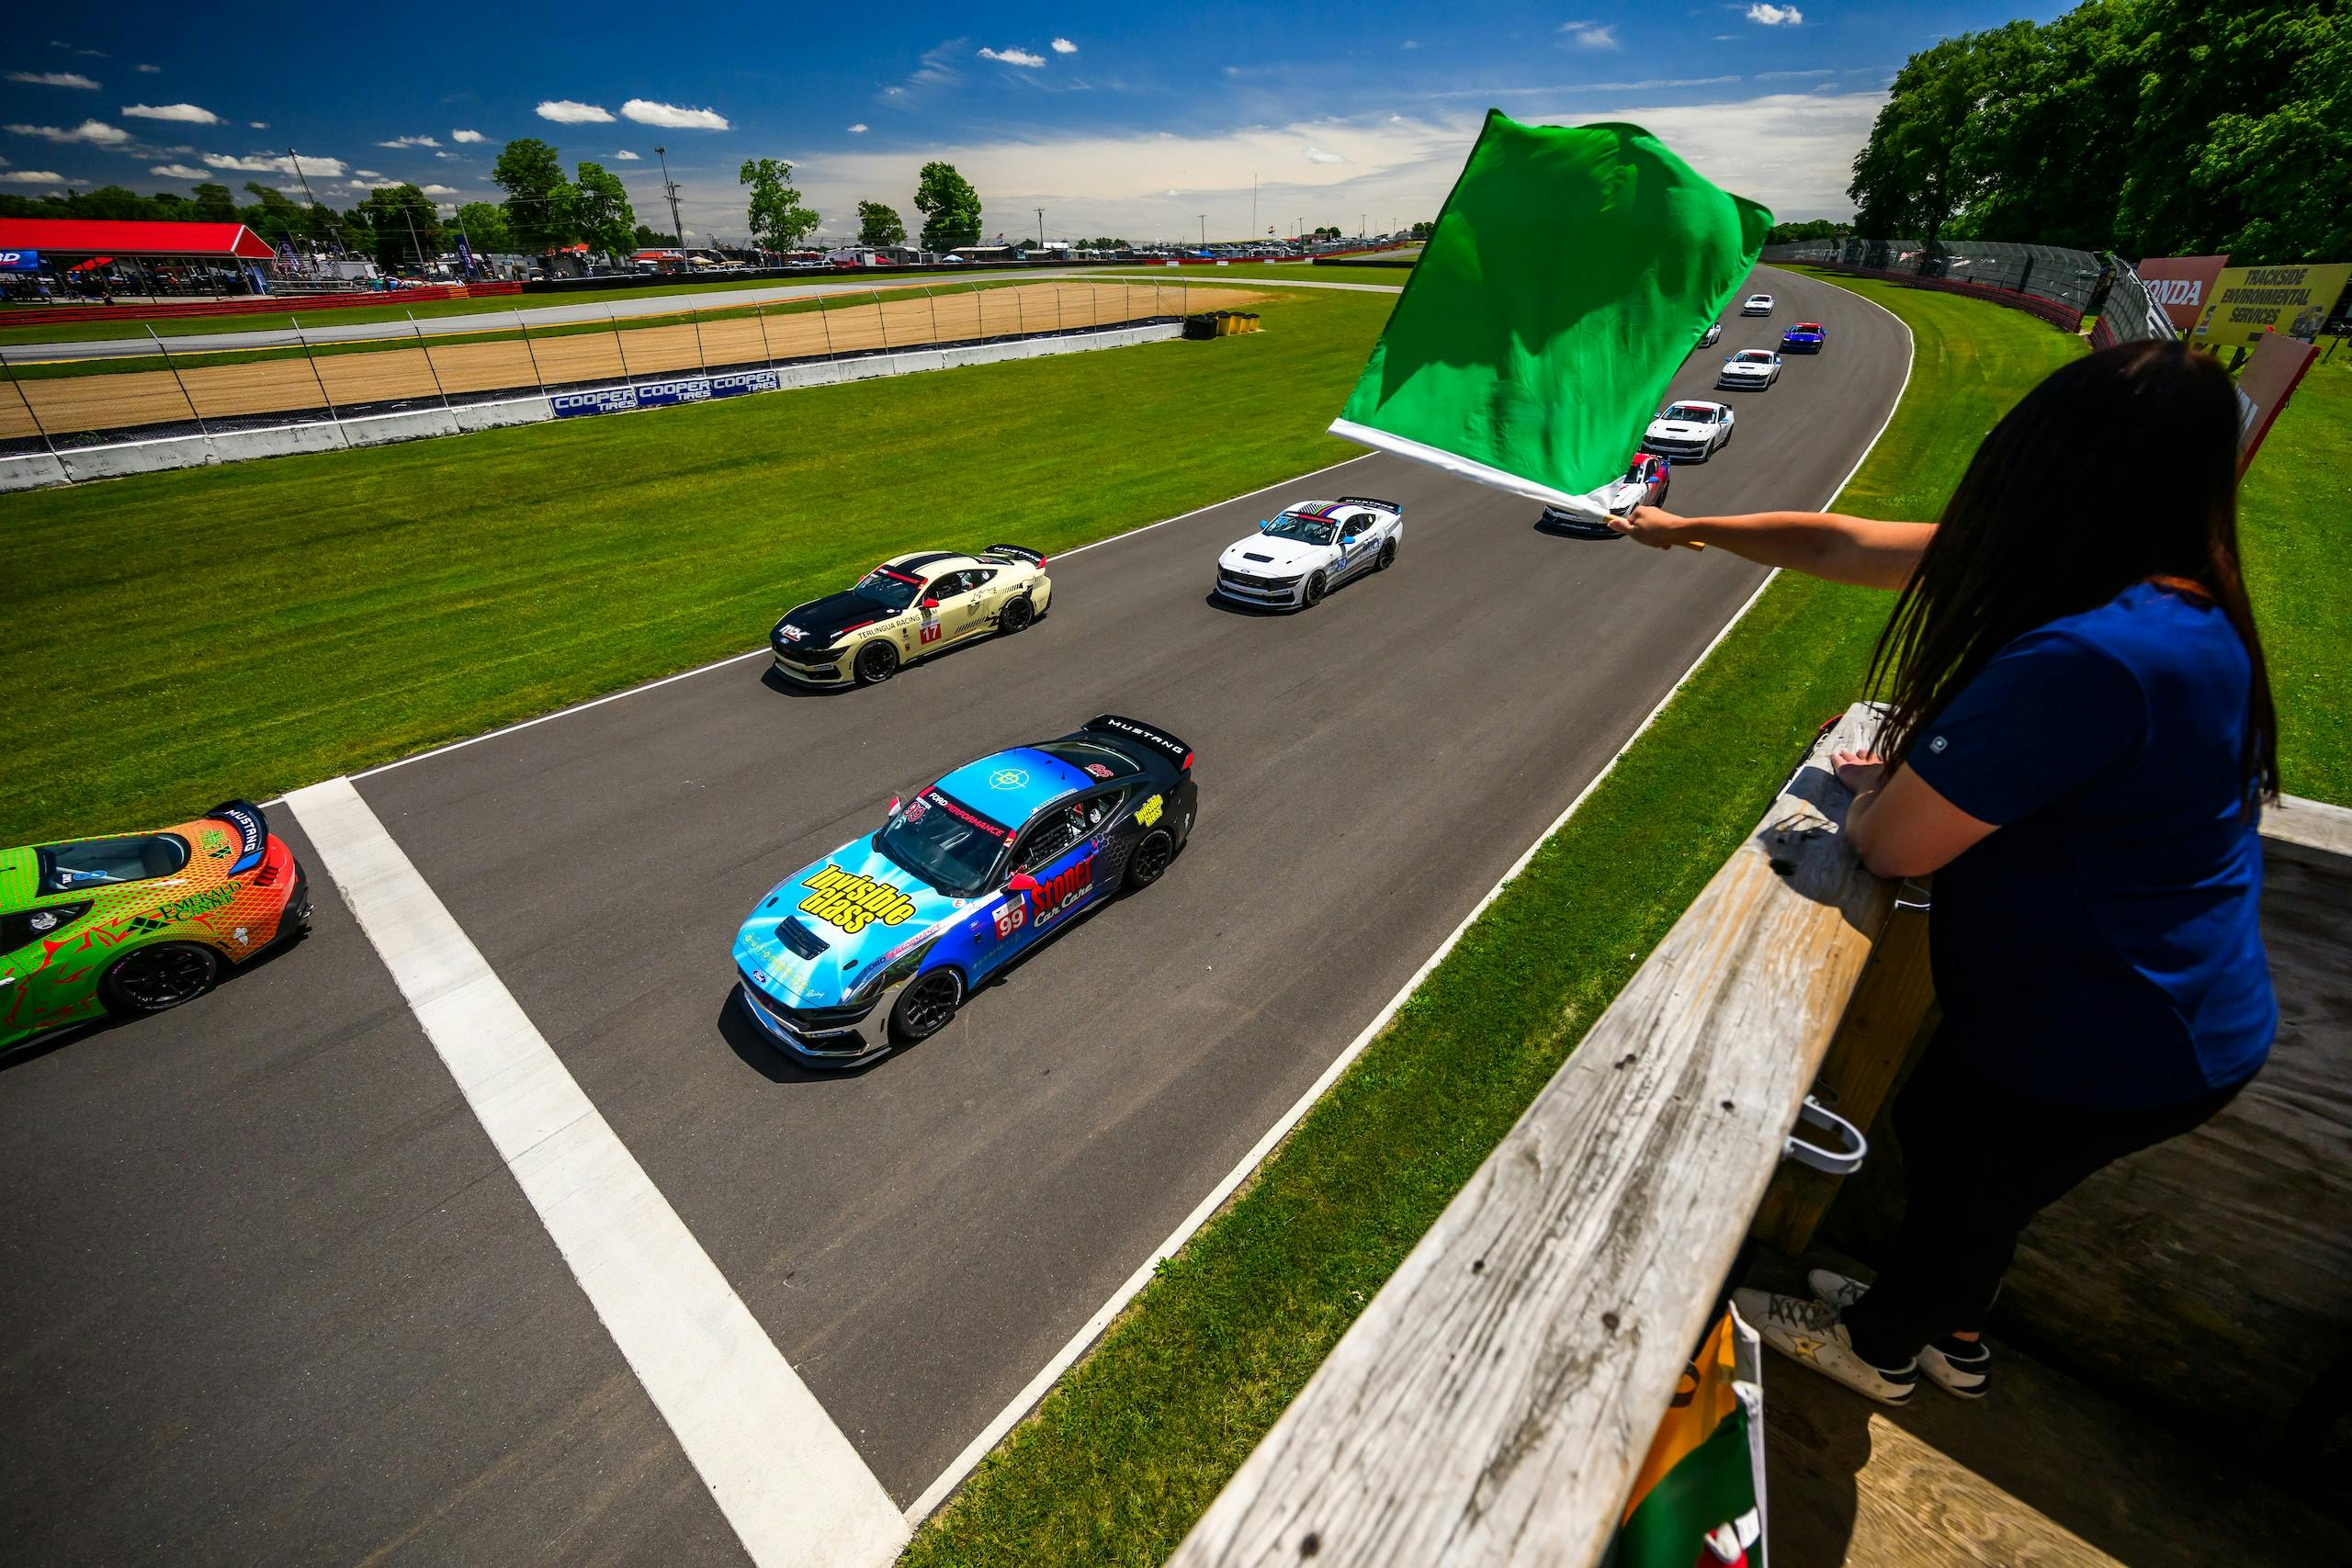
{"type": "Point", "coordinates": [1494, 1400]}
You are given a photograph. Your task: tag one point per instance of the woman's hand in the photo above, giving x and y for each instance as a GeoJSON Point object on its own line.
{"type": "Point", "coordinates": [1654, 527]}
{"type": "Point", "coordinates": [1861, 771]}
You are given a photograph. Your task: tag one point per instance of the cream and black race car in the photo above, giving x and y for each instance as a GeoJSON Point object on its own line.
{"type": "Point", "coordinates": [909, 607]}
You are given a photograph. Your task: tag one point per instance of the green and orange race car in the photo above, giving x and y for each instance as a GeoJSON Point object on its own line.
{"type": "Point", "coordinates": [139, 922]}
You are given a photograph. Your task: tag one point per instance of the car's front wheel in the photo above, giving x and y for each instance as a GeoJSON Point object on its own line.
{"type": "Point", "coordinates": [926, 1005]}
{"type": "Point", "coordinates": [158, 978]}
{"type": "Point", "coordinates": [1015, 616]}
{"type": "Point", "coordinates": [875, 663]}
{"type": "Point", "coordinates": [1313, 592]}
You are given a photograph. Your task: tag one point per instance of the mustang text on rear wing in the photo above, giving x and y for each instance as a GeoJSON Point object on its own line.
{"type": "Point", "coordinates": [1136, 729]}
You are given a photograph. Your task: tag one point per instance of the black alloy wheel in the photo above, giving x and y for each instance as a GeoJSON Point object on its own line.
{"type": "Point", "coordinates": [1313, 594]}
{"type": "Point", "coordinates": [155, 979]}
{"type": "Point", "coordinates": [1387, 557]}
{"type": "Point", "coordinates": [926, 1005]}
{"type": "Point", "coordinates": [1015, 616]}
{"type": "Point", "coordinates": [1151, 858]}
{"type": "Point", "coordinates": [875, 663]}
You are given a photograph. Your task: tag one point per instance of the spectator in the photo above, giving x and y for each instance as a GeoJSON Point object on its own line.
{"type": "Point", "coordinates": [2079, 740]}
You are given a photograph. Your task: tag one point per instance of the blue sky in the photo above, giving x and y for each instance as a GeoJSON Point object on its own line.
{"type": "Point", "coordinates": [1135, 126]}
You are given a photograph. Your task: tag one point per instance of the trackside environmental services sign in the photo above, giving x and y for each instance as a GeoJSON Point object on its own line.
{"type": "Point", "coordinates": [2248, 302]}
{"type": "Point", "coordinates": [661, 394]}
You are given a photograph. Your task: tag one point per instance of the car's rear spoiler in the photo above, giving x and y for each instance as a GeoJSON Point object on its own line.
{"type": "Point", "coordinates": [1157, 739]}
{"type": "Point", "coordinates": [1015, 552]}
{"type": "Point", "coordinates": [1396, 506]}
{"type": "Point", "coordinates": [253, 832]}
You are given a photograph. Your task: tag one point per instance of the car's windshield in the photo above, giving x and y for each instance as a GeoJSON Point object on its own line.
{"type": "Point", "coordinates": [944, 841]}
{"type": "Point", "coordinates": [1638, 473]}
{"type": "Point", "coordinates": [891, 590]}
{"type": "Point", "coordinates": [1691, 413]}
{"type": "Point", "coordinates": [1806, 327]}
{"type": "Point", "coordinates": [100, 863]}
{"type": "Point", "coordinates": [1753, 357]}
{"type": "Point", "coordinates": [1306, 530]}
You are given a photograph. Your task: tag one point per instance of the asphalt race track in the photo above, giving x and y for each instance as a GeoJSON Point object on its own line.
{"type": "Point", "coordinates": [270, 1296]}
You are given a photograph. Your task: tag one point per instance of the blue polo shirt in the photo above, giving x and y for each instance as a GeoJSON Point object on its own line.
{"type": "Point", "coordinates": [2104, 948]}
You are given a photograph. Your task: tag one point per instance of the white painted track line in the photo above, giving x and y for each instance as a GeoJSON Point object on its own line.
{"type": "Point", "coordinates": [940, 1490]}
{"type": "Point", "coordinates": [787, 1479]}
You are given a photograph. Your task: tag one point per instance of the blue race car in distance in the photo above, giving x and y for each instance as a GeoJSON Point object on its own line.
{"type": "Point", "coordinates": [1806, 337]}
{"type": "Point", "coordinates": [878, 944]}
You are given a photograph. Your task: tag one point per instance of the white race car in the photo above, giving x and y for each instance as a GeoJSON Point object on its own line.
{"type": "Point", "coordinates": [1756, 368]}
{"type": "Point", "coordinates": [1646, 480]}
{"type": "Point", "coordinates": [1713, 335]}
{"type": "Point", "coordinates": [1295, 558]}
{"type": "Point", "coordinates": [1689, 432]}
{"type": "Point", "coordinates": [1757, 305]}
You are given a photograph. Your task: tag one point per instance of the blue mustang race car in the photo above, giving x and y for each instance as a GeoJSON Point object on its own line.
{"type": "Point", "coordinates": [878, 944]}
{"type": "Point", "coordinates": [1806, 337]}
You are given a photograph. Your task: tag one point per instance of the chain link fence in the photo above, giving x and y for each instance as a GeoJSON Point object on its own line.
{"type": "Point", "coordinates": [2063, 286]}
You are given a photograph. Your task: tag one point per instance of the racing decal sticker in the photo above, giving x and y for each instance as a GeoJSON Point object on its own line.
{"type": "Point", "coordinates": [1008, 778]}
{"type": "Point", "coordinates": [1149, 812]}
{"type": "Point", "coordinates": [1010, 916]}
{"type": "Point", "coordinates": [931, 631]}
{"type": "Point", "coordinates": [972, 818]}
{"type": "Point", "coordinates": [850, 901]}
{"type": "Point", "coordinates": [1057, 894]}
{"type": "Point", "coordinates": [1098, 770]}
{"type": "Point", "coordinates": [790, 633]}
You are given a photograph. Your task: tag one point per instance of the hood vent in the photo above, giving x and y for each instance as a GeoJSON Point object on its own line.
{"type": "Point", "coordinates": [797, 938]}
{"type": "Point", "coordinates": [1252, 555]}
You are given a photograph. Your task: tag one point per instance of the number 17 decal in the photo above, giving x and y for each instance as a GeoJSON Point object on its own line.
{"type": "Point", "coordinates": [931, 631]}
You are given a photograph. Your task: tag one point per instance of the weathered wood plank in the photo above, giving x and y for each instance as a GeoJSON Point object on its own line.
{"type": "Point", "coordinates": [1493, 1402]}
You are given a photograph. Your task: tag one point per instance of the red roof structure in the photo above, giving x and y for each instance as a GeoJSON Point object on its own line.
{"type": "Point", "coordinates": [92, 236]}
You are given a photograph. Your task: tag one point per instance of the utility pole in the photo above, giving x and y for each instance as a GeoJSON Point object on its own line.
{"type": "Point", "coordinates": [1041, 228]}
{"type": "Point", "coordinates": [669, 189]}
{"type": "Point", "coordinates": [313, 200]}
{"type": "Point", "coordinates": [413, 243]}
{"type": "Point", "coordinates": [1205, 230]}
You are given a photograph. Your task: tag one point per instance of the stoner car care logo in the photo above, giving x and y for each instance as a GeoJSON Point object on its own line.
{"type": "Point", "coordinates": [850, 901]}
{"type": "Point", "coordinates": [1057, 894]}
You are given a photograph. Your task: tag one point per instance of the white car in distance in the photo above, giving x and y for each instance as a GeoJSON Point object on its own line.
{"type": "Point", "coordinates": [1752, 369]}
{"type": "Point", "coordinates": [1688, 431]}
{"type": "Point", "coordinates": [1308, 549]}
{"type": "Point", "coordinates": [1713, 335]}
{"type": "Point", "coordinates": [1757, 305]}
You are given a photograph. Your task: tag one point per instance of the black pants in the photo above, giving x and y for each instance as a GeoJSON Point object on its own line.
{"type": "Point", "coordinates": [1978, 1162]}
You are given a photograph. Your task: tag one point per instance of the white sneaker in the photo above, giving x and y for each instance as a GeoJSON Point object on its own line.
{"type": "Point", "coordinates": [1962, 1368]}
{"type": "Point", "coordinates": [1808, 1331]}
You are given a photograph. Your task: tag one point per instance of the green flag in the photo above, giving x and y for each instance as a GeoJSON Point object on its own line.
{"type": "Point", "coordinates": [1568, 277]}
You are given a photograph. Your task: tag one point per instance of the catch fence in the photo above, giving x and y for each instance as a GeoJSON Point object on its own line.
{"type": "Point", "coordinates": [2060, 285]}
{"type": "Point", "coordinates": [303, 377]}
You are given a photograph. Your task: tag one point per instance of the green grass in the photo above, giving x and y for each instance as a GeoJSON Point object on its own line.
{"type": "Point", "coordinates": [2295, 527]}
{"type": "Point", "coordinates": [1134, 1441]}
{"type": "Point", "coordinates": [245, 629]}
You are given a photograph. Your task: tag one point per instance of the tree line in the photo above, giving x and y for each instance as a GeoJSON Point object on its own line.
{"type": "Point", "coordinates": [2149, 128]}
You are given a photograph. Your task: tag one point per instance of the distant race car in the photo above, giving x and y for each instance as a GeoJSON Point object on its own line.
{"type": "Point", "coordinates": [879, 942]}
{"type": "Point", "coordinates": [1750, 367]}
{"type": "Point", "coordinates": [139, 922]}
{"type": "Point", "coordinates": [1757, 305]}
{"type": "Point", "coordinates": [1806, 337]}
{"type": "Point", "coordinates": [907, 608]}
{"type": "Point", "coordinates": [1644, 484]}
{"type": "Point", "coordinates": [1294, 559]}
{"type": "Point", "coordinates": [1713, 335]}
{"type": "Point", "coordinates": [1690, 431]}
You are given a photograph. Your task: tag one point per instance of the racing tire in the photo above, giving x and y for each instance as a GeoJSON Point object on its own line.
{"type": "Point", "coordinates": [158, 978]}
{"type": "Point", "coordinates": [1149, 862]}
{"type": "Point", "coordinates": [1015, 617]}
{"type": "Point", "coordinates": [875, 663]}
{"type": "Point", "coordinates": [1317, 586]}
{"type": "Point", "coordinates": [1664, 490]}
{"type": "Point", "coordinates": [925, 1005]}
{"type": "Point", "coordinates": [1387, 557]}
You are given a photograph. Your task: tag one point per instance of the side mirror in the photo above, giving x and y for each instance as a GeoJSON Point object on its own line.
{"type": "Point", "coordinates": [1022, 882]}
{"type": "Point", "coordinates": [891, 809]}
{"type": "Point", "coordinates": [929, 603]}
{"type": "Point", "coordinates": [1264, 523]}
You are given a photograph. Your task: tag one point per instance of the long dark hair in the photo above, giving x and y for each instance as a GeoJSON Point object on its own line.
{"type": "Point", "coordinates": [2118, 468]}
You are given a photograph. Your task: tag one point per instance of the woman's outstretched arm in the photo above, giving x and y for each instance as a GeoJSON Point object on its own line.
{"type": "Point", "coordinates": [1860, 550]}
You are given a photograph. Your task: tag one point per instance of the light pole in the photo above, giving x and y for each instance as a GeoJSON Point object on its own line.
{"type": "Point", "coordinates": [1041, 228]}
{"type": "Point", "coordinates": [1205, 230]}
{"type": "Point", "coordinates": [669, 189]}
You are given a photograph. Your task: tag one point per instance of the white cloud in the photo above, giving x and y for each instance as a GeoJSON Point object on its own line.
{"type": "Point", "coordinates": [149, 69]}
{"type": "Point", "coordinates": [369, 173]}
{"type": "Point", "coordinates": [564, 111]}
{"type": "Point", "coordinates": [467, 138]}
{"type": "Point", "coordinates": [1769, 16]}
{"type": "Point", "coordinates": [1317, 155]}
{"type": "Point", "coordinates": [34, 177]}
{"type": "Point", "coordinates": [375, 184]}
{"type": "Point", "coordinates": [330, 168]}
{"type": "Point", "coordinates": [1063, 46]}
{"type": "Point", "coordinates": [96, 132]}
{"type": "Point", "coordinates": [1411, 43]}
{"type": "Point", "coordinates": [858, 130]}
{"type": "Point", "coordinates": [937, 70]}
{"type": "Point", "coordinates": [411, 142]}
{"type": "Point", "coordinates": [258, 124]}
{"type": "Point", "coordinates": [439, 190]}
{"type": "Point", "coordinates": [1787, 75]}
{"type": "Point", "coordinates": [453, 157]}
{"type": "Point", "coordinates": [53, 79]}
{"type": "Point", "coordinates": [626, 156]}
{"type": "Point", "coordinates": [180, 172]}
{"type": "Point", "coordinates": [1014, 57]}
{"type": "Point", "coordinates": [186, 114]}
{"type": "Point", "coordinates": [1590, 35]}
{"type": "Point", "coordinates": [645, 111]}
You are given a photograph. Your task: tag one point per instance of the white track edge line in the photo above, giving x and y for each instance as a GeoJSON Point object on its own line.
{"type": "Point", "coordinates": [1036, 1390]}
{"type": "Point", "coordinates": [756, 652]}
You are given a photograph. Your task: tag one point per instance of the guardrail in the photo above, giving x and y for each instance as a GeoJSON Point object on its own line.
{"type": "Point", "coordinates": [1495, 1400]}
